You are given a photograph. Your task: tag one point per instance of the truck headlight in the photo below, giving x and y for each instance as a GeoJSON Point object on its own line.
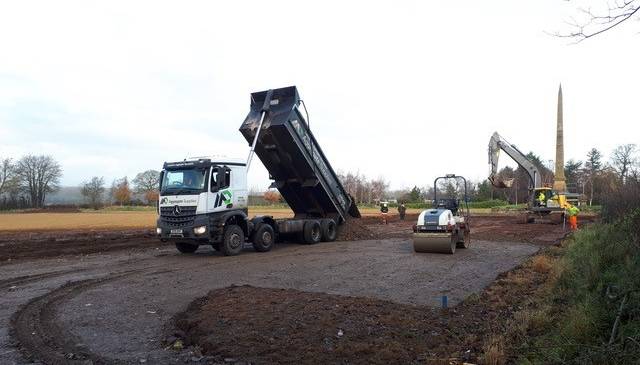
{"type": "Point", "coordinates": [200, 230]}
{"type": "Point", "coordinates": [158, 231]}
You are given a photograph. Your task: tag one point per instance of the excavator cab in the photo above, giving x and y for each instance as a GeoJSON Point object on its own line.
{"type": "Point", "coordinates": [541, 197]}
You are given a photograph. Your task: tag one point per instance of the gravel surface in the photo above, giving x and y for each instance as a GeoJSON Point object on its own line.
{"type": "Point", "coordinates": [115, 306]}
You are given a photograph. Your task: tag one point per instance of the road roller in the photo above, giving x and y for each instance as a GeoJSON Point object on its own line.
{"type": "Point", "coordinates": [445, 227]}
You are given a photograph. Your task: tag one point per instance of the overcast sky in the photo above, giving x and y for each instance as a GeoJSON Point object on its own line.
{"type": "Point", "coordinates": [407, 90]}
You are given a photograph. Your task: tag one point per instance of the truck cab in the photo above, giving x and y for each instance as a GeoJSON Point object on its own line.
{"type": "Point", "coordinates": [199, 195]}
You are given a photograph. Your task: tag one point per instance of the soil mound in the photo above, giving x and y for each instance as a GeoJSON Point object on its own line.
{"type": "Point", "coordinates": [286, 326]}
{"type": "Point", "coordinates": [354, 230]}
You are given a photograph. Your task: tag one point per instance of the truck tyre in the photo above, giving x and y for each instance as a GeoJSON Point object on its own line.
{"type": "Point", "coordinates": [312, 232]}
{"type": "Point", "coordinates": [233, 240]}
{"type": "Point", "coordinates": [186, 247]}
{"type": "Point", "coordinates": [264, 238]}
{"type": "Point", "coordinates": [329, 230]}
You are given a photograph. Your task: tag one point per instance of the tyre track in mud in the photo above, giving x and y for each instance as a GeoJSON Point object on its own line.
{"type": "Point", "coordinates": [40, 338]}
{"type": "Point", "coordinates": [25, 279]}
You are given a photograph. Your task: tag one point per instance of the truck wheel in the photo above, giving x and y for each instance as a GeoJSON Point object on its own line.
{"type": "Point", "coordinates": [264, 238]}
{"type": "Point", "coordinates": [186, 247]}
{"type": "Point", "coordinates": [311, 232]}
{"type": "Point", "coordinates": [233, 240]}
{"type": "Point", "coordinates": [329, 231]}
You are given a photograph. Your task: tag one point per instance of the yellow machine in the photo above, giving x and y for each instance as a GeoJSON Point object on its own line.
{"type": "Point", "coordinates": [543, 201]}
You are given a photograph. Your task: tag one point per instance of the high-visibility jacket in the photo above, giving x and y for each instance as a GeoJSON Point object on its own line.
{"type": "Point", "coordinates": [541, 197]}
{"type": "Point", "coordinates": [573, 211]}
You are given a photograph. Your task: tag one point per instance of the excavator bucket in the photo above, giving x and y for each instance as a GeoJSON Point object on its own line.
{"type": "Point", "coordinates": [434, 242]}
{"type": "Point", "coordinates": [501, 184]}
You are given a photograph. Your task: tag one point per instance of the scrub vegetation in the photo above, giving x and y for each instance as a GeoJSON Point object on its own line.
{"type": "Point", "coordinates": [588, 311]}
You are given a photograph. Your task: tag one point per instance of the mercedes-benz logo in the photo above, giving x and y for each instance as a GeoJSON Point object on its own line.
{"type": "Point", "coordinates": [176, 210]}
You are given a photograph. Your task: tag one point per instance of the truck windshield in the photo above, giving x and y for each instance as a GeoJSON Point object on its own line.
{"type": "Point", "coordinates": [189, 181]}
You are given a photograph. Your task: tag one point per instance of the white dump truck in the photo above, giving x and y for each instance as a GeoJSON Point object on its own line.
{"type": "Point", "coordinates": [204, 201]}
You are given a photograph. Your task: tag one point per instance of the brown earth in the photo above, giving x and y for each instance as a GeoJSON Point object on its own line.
{"type": "Point", "coordinates": [50, 243]}
{"type": "Point", "coordinates": [285, 326]}
{"type": "Point", "coordinates": [110, 296]}
{"type": "Point", "coordinates": [31, 245]}
{"type": "Point", "coordinates": [490, 227]}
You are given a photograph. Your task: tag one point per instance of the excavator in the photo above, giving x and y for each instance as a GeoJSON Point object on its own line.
{"type": "Point", "coordinates": [543, 201]}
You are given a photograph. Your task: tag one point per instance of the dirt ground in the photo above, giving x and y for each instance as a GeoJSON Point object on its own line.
{"type": "Point", "coordinates": [62, 219]}
{"type": "Point", "coordinates": [105, 297]}
{"type": "Point", "coordinates": [45, 221]}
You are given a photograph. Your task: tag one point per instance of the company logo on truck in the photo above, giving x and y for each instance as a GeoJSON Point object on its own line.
{"type": "Point", "coordinates": [223, 198]}
{"type": "Point", "coordinates": [178, 200]}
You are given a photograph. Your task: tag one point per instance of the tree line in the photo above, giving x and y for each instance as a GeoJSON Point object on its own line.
{"type": "Point", "coordinates": [594, 178]}
{"type": "Point", "coordinates": [25, 183]}
{"type": "Point", "coordinates": [122, 192]}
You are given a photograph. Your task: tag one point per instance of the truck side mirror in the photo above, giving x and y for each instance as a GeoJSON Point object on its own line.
{"type": "Point", "coordinates": [224, 177]}
{"type": "Point", "coordinates": [214, 180]}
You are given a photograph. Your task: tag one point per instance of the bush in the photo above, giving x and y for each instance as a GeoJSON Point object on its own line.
{"type": "Point", "coordinates": [418, 205]}
{"type": "Point", "coordinates": [601, 270]}
{"type": "Point", "coordinates": [488, 204]}
{"type": "Point", "coordinates": [620, 200]}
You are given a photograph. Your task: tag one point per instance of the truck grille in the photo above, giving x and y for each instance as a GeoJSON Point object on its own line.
{"type": "Point", "coordinates": [184, 218]}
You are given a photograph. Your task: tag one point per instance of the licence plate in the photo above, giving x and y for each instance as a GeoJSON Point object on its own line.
{"type": "Point", "coordinates": [176, 231]}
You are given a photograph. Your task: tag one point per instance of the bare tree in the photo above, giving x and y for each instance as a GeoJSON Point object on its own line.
{"type": "Point", "coordinates": [147, 183]}
{"type": "Point", "coordinates": [592, 23]}
{"type": "Point", "coordinates": [362, 189]}
{"type": "Point", "coordinates": [6, 174]}
{"type": "Point", "coordinates": [38, 176]}
{"type": "Point", "coordinates": [624, 159]}
{"type": "Point", "coordinates": [93, 190]}
{"type": "Point", "coordinates": [378, 188]}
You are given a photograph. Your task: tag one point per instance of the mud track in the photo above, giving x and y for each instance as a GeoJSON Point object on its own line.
{"type": "Point", "coordinates": [25, 279]}
{"type": "Point", "coordinates": [39, 336]}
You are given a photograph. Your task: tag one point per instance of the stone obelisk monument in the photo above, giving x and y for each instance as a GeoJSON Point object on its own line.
{"type": "Point", "coordinates": [559, 181]}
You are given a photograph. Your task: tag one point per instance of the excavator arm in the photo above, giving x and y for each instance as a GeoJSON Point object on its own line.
{"type": "Point", "coordinates": [497, 143]}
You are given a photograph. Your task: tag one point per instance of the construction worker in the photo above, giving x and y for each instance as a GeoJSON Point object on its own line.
{"type": "Point", "coordinates": [384, 211]}
{"type": "Point", "coordinates": [572, 212]}
{"type": "Point", "coordinates": [402, 210]}
{"type": "Point", "coordinates": [541, 199]}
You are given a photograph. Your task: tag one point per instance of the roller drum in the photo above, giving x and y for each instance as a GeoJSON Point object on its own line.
{"type": "Point", "coordinates": [434, 242]}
